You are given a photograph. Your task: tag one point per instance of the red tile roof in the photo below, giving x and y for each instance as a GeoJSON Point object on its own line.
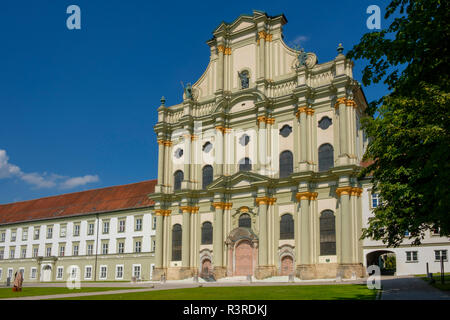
{"type": "Point", "coordinates": [130, 196]}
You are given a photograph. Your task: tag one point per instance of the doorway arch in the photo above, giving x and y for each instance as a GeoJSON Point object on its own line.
{"type": "Point", "coordinates": [243, 256]}
{"type": "Point", "coordinates": [385, 259]}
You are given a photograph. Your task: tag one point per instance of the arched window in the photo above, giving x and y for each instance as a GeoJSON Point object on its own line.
{"type": "Point", "coordinates": [178, 177]}
{"type": "Point", "coordinates": [207, 175]}
{"type": "Point", "coordinates": [207, 233]}
{"type": "Point", "coordinates": [245, 221]}
{"type": "Point", "coordinates": [286, 164]}
{"type": "Point", "coordinates": [327, 233]}
{"type": "Point", "coordinates": [326, 157]}
{"type": "Point", "coordinates": [245, 165]}
{"type": "Point", "coordinates": [286, 227]}
{"type": "Point", "coordinates": [176, 242]}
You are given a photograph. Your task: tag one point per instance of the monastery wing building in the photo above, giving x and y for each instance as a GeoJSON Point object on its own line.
{"type": "Point", "coordinates": [257, 176]}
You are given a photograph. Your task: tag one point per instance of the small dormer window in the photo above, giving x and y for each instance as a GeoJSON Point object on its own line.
{"type": "Point", "coordinates": [285, 131]}
{"type": "Point", "coordinates": [244, 78]}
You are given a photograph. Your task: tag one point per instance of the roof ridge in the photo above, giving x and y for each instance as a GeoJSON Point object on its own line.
{"type": "Point", "coordinates": [77, 192]}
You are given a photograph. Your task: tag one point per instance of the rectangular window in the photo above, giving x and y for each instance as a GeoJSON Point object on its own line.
{"type": "Point", "coordinates": [33, 273]}
{"type": "Point", "coordinates": [88, 272]}
{"type": "Point", "coordinates": [75, 249]}
{"type": "Point", "coordinates": [36, 233]}
{"type": "Point", "coordinates": [24, 253]}
{"type": "Point", "coordinates": [121, 226]}
{"type": "Point", "coordinates": [25, 234]}
{"type": "Point", "coordinates": [119, 272]}
{"type": "Point", "coordinates": [12, 253]}
{"type": "Point", "coordinates": [90, 249]}
{"type": "Point", "coordinates": [76, 230]}
{"type": "Point", "coordinates": [59, 273]}
{"type": "Point", "coordinates": [104, 248]}
{"type": "Point", "coordinates": [138, 226]}
{"type": "Point", "coordinates": [1, 273]}
{"type": "Point", "coordinates": [10, 274]}
{"type": "Point", "coordinates": [63, 231]}
{"type": "Point", "coordinates": [103, 272]}
{"type": "Point", "coordinates": [13, 236]}
{"type": "Point", "coordinates": [411, 256]}
{"type": "Point", "coordinates": [121, 247]}
{"type": "Point", "coordinates": [440, 253]}
{"type": "Point", "coordinates": [105, 227]}
{"type": "Point", "coordinates": [62, 250]}
{"type": "Point", "coordinates": [154, 223]}
{"type": "Point", "coordinates": [22, 271]}
{"type": "Point", "coordinates": [48, 251]}
{"type": "Point", "coordinates": [3, 237]}
{"type": "Point", "coordinates": [153, 245]}
{"type": "Point", "coordinates": [35, 252]}
{"type": "Point", "coordinates": [2, 254]}
{"type": "Point", "coordinates": [49, 232]}
{"type": "Point", "coordinates": [74, 272]}
{"type": "Point", "coordinates": [137, 271]}
{"type": "Point", "coordinates": [137, 246]}
{"type": "Point", "coordinates": [375, 200]}
{"type": "Point", "coordinates": [91, 229]}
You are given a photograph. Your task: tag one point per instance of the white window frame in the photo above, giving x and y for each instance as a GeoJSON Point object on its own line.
{"type": "Point", "coordinates": [91, 231]}
{"type": "Point", "coordinates": [46, 251]}
{"type": "Point", "coordinates": [1, 273]}
{"type": "Point", "coordinates": [136, 224]}
{"type": "Point", "coordinates": [121, 242]}
{"type": "Point", "coordinates": [62, 249]}
{"type": "Point", "coordinates": [117, 270]}
{"type": "Point", "coordinates": [13, 235]}
{"type": "Point", "coordinates": [63, 231]}
{"type": "Point", "coordinates": [24, 234]}
{"type": "Point", "coordinates": [106, 272]}
{"type": "Point", "coordinates": [440, 254]}
{"type": "Point", "coordinates": [122, 226]}
{"type": "Point", "coordinates": [140, 271]}
{"type": "Point", "coordinates": [154, 223]}
{"type": "Point", "coordinates": [76, 229]}
{"type": "Point", "coordinates": [377, 197]}
{"type": "Point", "coordinates": [105, 227]}
{"type": "Point", "coordinates": [411, 255]}
{"type": "Point", "coordinates": [10, 274]}
{"type": "Point", "coordinates": [12, 253]}
{"type": "Point", "coordinates": [2, 255]}
{"type": "Point", "coordinates": [3, 236]}
{"type": "Point", "coordinates": [85, 272]}
{"type": "Point", "coordinates": [36, 233]}
{"type": "Point", "coordinates": [103, 248]}
{"type": "Point", "coordinates": [33, 273]}
{"type": "Point", "coordinates": [140, 246]}
{"type": "Point", "coordinates": [49, 232]}
{"type": "Point", "coordinates": [58, 274]}
{"type": "Point", "coordinates": [22, 255]}
{"type": "Point", "coordinates": [92, 249]}
{"type": "Point", "coordinates": [35, 252]}
{"type": "Point", "coordinates": [73, 250]}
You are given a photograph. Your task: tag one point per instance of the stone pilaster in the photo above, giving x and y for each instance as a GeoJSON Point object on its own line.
{"type": "Point", "coordinates": [186, 237]}
{"type": "Point", "coordinates": [263, 269]}
{"type": "Point", "coordinates": [218, 234]}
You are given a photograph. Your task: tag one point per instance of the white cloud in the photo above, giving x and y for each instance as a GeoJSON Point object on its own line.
{"type": "Point", "coordinates": [79, 181]}
{"type": "Point", "coordinates": [41, 180]}
{"type": "Point", "coordinates": [299, 40]}
{"type": "Point", "coordinates": [6, 169]}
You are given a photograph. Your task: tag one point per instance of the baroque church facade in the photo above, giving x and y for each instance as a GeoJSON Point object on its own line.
{"type": "Point", "coordinates": [257, 176]}
{"type": "Point", "coordinates": [257, 167]}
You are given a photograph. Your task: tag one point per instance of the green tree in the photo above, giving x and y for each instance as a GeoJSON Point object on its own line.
{"type": "Point", "coordinates": [408, 128]}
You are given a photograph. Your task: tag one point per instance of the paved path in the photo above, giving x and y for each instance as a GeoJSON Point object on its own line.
{"type": "Point", "coordinates": [410, 288]}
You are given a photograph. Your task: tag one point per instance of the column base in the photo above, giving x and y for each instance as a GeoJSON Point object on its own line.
{"type": "Point", "coordinates": [158, 273]}
{"type": "Point", "coordinates": [219, 272]}
{"type": "Point", "coordinates": [351, 270]}
{"type": "Point", "coordinates": [263, 272]}
{"type": "Point", "coordinates": [329, 271]}
{"type": "Point", "coordinates": [306, 272]}
{"type": "Point", "coordinates": [180, 273]}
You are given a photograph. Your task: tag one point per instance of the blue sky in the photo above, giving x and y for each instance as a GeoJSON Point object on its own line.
{"type": "Point", "coordinates": [77, 107]}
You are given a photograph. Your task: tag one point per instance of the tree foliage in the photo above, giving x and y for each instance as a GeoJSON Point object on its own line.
{"type": "Point", "coordinates": [409, 128]}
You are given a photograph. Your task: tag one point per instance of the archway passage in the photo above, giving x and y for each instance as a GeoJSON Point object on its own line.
{"type": "Point", "coordinates": [287, 266]}
{"type": "Point", "coordinates": [244, 259]}
{"type": "Point", "coordinates": [384, 259]}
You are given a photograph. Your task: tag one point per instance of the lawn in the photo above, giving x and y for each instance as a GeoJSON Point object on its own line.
{"type": "Point", "coordinates": [438, 284]}
{"type": "Point", "coordinates": [41, 291]}
{"type": "Point", "coordinates": [292, 292]}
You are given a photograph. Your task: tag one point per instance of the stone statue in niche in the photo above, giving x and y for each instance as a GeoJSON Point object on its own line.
{"type": "Point", "coordinates": [244, 79]}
